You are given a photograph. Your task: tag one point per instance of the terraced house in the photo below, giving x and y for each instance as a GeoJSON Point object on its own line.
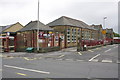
{"type": "Point", "coordinates": [73, 29]}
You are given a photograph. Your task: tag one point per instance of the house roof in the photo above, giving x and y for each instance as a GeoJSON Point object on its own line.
{"type": "Point", "coordinates": [96, 26]}
{"type": "Point", "coordinates": [2, 28]}
{"type": "Point", "coordinates": [33, 25]}
{"type": "Point", "coordinates": [66, 21]}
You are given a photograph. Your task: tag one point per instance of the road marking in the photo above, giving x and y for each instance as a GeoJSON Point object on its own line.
{"type": "Point", "coordinates": [79, 53]}
{"type": "Point", "coordinates": [22, 74]}
{"type": "Point", "coordinates": [79, 60]}
{"type": "Point", "coordinates": [95, 60]}
{"type": "Point", "coordinates": [37, 71]}
{"type": "Point", "coordinates": [97, 48]}
{"type": "Point", "coordinates": [107, 50]}
{"type": "Point", "coordinates": [69, 59]}
{"type": "Point", "coordinates": [61, 56]}
{"type": "Point", "coordinates": [94, 57]}
{"type": "Point", "coordinates": [90, 50]}
{"type": "Point", "coordinates": [1, 55]}
{"type": "Point", "coordinates": [107, 61]}
{"type": "Point", "coordinates": [29, 59]}
{"type": "Point", "coordinates": [26, 58]}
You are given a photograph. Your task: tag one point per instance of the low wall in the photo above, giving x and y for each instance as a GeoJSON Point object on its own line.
{"type": "Point", "coordinates": [41, 50]}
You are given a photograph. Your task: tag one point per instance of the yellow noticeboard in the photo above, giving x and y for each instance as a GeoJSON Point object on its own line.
{"type": "Point", "coordinates": [103, 31]}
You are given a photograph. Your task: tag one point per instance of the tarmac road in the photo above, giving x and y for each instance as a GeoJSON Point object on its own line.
{"type": "Point", "coordinates": [101, 62]}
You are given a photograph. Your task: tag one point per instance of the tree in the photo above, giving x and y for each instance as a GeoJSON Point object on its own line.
{"type": "Point", "coordinates": [116, 34]}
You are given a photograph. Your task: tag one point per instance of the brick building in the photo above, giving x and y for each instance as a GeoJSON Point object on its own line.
{"type": "Point", "coordinates": [72, 30]}
{"type": "Point", "coordinates": [8, 36]}
{"type": "Point", "coordinates": [99, 31]}
{"type": "Point", "coordinates": [27, 36]}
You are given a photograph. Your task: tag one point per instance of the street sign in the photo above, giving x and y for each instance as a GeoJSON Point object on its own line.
{"type": "Point", "coordinates": [103, 31]}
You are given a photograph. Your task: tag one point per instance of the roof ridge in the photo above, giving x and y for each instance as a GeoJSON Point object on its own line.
{"type": "Point", "coordinates": [72, 19]}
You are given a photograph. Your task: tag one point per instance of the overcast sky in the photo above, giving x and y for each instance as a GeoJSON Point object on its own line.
{"type": "Point", "coordinates": [92, 12]}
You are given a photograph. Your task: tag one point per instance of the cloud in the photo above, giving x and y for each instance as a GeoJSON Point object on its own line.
{"type": "Point", "coordinates": [90, 11]}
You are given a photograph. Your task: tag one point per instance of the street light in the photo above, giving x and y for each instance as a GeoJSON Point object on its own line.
{"type": "Point", "coordinates": [104, 35]}
{"type": "Point", "coordinates": [104, 18]}
{"type": "Point", "coordinates": [38, 29]}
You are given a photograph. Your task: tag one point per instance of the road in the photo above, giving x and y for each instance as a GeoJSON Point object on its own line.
{"type": "Point", "coordinates": [100, 62]}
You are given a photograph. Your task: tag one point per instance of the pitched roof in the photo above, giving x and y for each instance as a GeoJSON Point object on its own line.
{"type": "Point", "coordinates": [5, 27]}
{"type": "Point", "coordinates": [96, 26]}
{"type": "Point", "coordinates": [66, 21]}
{"type": "Point", "coordinates": [33, 25]}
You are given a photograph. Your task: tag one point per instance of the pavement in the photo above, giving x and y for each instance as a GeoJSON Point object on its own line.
{"type": "Point", "coordinates": [101, 62]}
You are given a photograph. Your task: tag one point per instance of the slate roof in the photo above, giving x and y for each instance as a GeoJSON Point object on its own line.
{"type": "Point", "coordinates": [96, 26]}
{"type": "Point", "coordinates": [33, 26]}
{"type": "Point", "coordinates": [2, 28]}
{"type": "Point", "coordinates": [66, 21]}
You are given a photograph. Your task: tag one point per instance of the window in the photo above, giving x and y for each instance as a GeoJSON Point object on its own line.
{"type": "Point", "coordinates": [68, 35]}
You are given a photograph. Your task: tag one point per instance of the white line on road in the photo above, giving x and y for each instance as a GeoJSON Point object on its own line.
{"type": "Point", "coordinates": [61, 56]}
{"type": "Point", "coordinates": [79, 53]}
{"type": "Point", "coordinates": [27, 69]}
{"type": "Point", "coordinates": [94, 57]}
{"type": "Point", "coordinates": [90, 50]}
{"type": "Point", "coordinates": [107, 50]}
{"type": "Point", "coordinates": [110, 61]}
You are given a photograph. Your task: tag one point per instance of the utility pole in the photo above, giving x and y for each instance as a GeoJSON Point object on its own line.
{"type": "Point", "coordinates": [79, 43]}
{"type": "Point", "coordinates": [38, 29]}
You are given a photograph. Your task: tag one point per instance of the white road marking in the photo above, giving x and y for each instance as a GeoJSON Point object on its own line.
{"type": "Point", "coordinates": [69, 59]}
{"type": "Point", "coordinates": [95, 60]}
{"type": "Point", "coordinates": [94, 57]}
{"type": "Point", "coordinates": [90, 50]}
{"type": "Point", "coordinates": [61, 56]}
{"type": "Point", "coordinates": [37, 71]}
{"type": "Point", "coordinates": [29, 59]}
{"type": "Point", "coordinates": [107, 61]}
{"type": "Point", "coordinates": [107, 50]}
{"type": "Point", "coordinates": [79, 53]}
{"type": "Point", "coordinates": [26, 58]}
{"type": "Point", "coordinates": [79, 60]}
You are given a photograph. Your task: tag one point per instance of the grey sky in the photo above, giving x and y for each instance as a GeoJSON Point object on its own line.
{"type": "Point", "coordinates": [92, 12]}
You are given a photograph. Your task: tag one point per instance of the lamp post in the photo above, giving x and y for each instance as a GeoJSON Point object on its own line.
{"type": "Point", "coordinates": [104, 21]}
{"type": "Point", "coordinates": [104, 35]}
{"type": "Point", "coordinates": [38, 29]}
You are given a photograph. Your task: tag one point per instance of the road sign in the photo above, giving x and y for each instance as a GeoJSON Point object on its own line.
{"type": "Point", "coordinates": [103, 31]}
